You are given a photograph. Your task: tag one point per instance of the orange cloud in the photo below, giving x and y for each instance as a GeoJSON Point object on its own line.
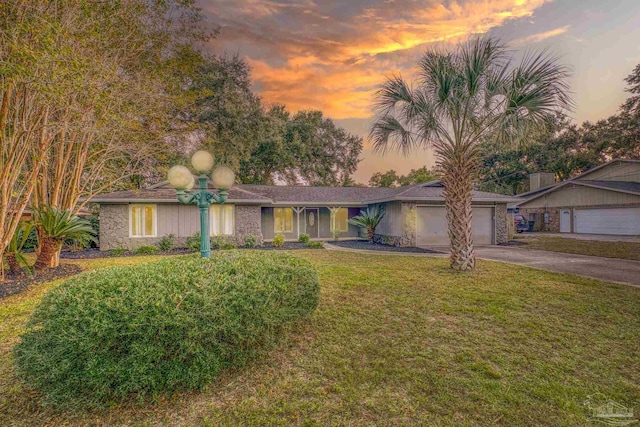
{"type": "Point", "coordinates": [535, 38]}
{"type": "Point", "coordinates": [309, 56]}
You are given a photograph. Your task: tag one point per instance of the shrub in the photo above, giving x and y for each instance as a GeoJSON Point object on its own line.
{"type": "Point", "coordinates": [117, 251]}
{"type": "Point", "coordinates": [250, 242]}
{"type": "Point", "coordinates": [336, 235]}
{"type": "Point", "coordinates": [304, 238]}
{"type": "Point", "coordinates": [315, 245]}
{"type": "Point", "coordinates": [278, 240]}
{"type": "Point", "coordinates": [193, 243]}
{"type": "Point", "coordinates": [226, 245]}
{"type": "Point", "coordinates": [146, 250]}
{"type": "Point", "coordinates": [166, 243]}
{"type": "Point", "coordinates": [131, 333]}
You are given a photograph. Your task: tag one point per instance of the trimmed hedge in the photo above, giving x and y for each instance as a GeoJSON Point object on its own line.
{"type": "Point", "coordinates": [136, 332]}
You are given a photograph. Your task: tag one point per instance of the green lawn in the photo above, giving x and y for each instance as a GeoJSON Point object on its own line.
{"type": "Point", "coordinates": [401, 341]}
{"type": "Point", "coordinates": [623, 250]}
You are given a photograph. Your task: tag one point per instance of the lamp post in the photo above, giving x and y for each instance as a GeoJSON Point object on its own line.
{"type": "Point", "coordinates": [183, 181]}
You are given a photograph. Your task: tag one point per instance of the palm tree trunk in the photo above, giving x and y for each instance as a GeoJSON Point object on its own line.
{"type": "Point", "coordinates": [458, 189]}
{"type": "Point", "coordinates": [12, 262]}
{"type": "Point", "coordinates": [49, 255]}
{"type": "Point", "coordinates": [371, 232]}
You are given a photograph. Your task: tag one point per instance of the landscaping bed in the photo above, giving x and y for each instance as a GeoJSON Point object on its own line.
{"type": "Point", "coordinates": [16, 283]}
{"type": "Point", "coordinates": [369, 246]}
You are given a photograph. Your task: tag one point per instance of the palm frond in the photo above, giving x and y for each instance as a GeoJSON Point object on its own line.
{"type": "Point", "coordinates": [63, 225]}
{"type": "Point", "coordinates": [388, 132]}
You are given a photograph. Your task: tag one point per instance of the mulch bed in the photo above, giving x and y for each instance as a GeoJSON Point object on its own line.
{"type": "Point", "coordinates": [17, 283]}
{"type": "Point", "coordinates": [366, 245]}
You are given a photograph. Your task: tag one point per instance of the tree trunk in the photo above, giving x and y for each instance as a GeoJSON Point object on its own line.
{"type": "Point", "coordinates": [12, 262]}
{"type": "Point", "coordinates": [458, 189]}
{"type": "Point", "coordinates": [49, 253]}
{"type": "Point", "coordinates": [371, 232]}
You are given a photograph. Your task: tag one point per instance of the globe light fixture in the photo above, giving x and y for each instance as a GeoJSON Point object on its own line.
{"type": "Point", "coordinates": [222, 178]}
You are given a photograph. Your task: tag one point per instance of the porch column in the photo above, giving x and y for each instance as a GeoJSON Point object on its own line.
{"type": "Point", "coordinates": [297, 211]}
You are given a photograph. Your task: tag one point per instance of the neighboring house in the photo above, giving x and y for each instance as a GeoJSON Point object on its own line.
{"type": "Point", "coordinates": [415, 215]}
{"type": "Point", "coordinates": [603, 200]}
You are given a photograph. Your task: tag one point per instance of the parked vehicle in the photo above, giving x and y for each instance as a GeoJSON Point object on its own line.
{"type": "Point", "coordinates": [520, 223]}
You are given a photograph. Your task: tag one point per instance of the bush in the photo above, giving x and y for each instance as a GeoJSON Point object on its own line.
{"type": "Point", "coordinates": [304, 238]}
{"type": "Point", "coordinates": [193, 243]}
{"type": "Point", "coordinates": [146, 250]}
{"type": "Point", "coordinates": [336, 235]}
{"type": "Point", "coordinates": [132, 333]}
{"type": "Point", "coordinates": [315, 245]}
{"type": "Point", "coordinates": [166, 243]}
{"type": "Point", "coordinates": [278, 240]}
{"type": "Point", "coordinates": [250, 242]}
{"type": "Point", "coordinates": [117, 251]}
{"type": "Point", "coordinates": [225, 245]}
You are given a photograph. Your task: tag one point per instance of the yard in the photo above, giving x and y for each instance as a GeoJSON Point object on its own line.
{"type": "Point", "coordinates": [622, 250]}
{"type": "Point", "coordinates": [400, 341]}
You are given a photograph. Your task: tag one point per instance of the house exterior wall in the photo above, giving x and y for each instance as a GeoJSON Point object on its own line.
{"type": "Point", "coordinates": [399, 228]}
{"type": "Point", "coordinates": [179, 220]}
{"type": "Point", "coordinates": [577, 195]}
{"type": "Point", "coordinates": [617, 171]}
{"type": "Point", "coordinates": [554, 215]}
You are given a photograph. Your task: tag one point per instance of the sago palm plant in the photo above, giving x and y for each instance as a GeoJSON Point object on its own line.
{"type": "Point", "coordinates": [461, 98]}
{"type": "Point", "coordinates": [14, 253]}
{"type": "Point", "coordinates": [54, 227]}
{"type": "Point", "coordinates": [369, 219]}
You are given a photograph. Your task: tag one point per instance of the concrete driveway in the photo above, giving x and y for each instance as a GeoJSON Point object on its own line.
{"type": "Point", "coordinates": [608, 269]}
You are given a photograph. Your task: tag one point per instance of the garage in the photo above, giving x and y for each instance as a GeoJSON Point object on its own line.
{"type": "Point", "coordinates": [432, 226]}
{"type": "Point", "coordinates": [620, 221]}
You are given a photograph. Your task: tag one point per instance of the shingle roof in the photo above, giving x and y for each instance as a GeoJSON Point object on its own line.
{"type": "Point", "coordinates": [308, 195]}
{"type": "Point", "coordinates": [631, 187]}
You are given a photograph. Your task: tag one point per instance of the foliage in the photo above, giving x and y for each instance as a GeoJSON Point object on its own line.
{"type": "Point", "coordinates": [461, 99]}
{"type": "Point", "coordinates": [14, 253]}
{"type": "Point", "coordinates": [117, 251]}
{"type": "Point", "coordinates": [193, 242]}
{"type": "Point", "coordinates": [392, 179]}
{"type": "Point", "coordinates": [226, 245]}
{"type": "Point", "coordinates": [250, 242]}
{"type": "Point", "coordinates": [136, 332]}
{"type": "Point", "coordinates": [369, 219]}
{"type": "Point", "coordinates": [336, 234]}
{"type": "Point", "coordinates": [54, 226]}
{"type": "Point", "coordinates": [278, 240]}
{"type": "Point", "coordinates": [315, 244]}
{"type": "Point", "coordinates": [166, 243]}
{"type": "Point", "coordinates": [146, 250]}
{"type": "Point", "coordinates": [304, 238]}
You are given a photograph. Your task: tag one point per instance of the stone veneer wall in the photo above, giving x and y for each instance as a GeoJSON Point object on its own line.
{"type": "Point", "coordinates": [501, 223]}
{"type": "Point", "coordinates": [114, 228]}
{"type": "Point", "coordinates": [408, 237]}
{"type": "Point", "coordinates": [247, 223]}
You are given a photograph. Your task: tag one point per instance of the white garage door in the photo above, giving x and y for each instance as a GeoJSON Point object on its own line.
{"type": "Point", "coordinates": [621, 221]}
{"type": "Point", "coordinates": [432, 226]}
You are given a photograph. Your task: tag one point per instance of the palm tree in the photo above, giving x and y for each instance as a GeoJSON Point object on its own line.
{"type": "Point", "coordinates": [54, 227]}
{"type": "Point", "coordinates": [369, 219]}
{"type": "Point", "coordinates": [464, 97]}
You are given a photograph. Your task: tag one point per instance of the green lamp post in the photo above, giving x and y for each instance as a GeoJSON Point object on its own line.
{"type": "Point", "coordinates": [183, 181]}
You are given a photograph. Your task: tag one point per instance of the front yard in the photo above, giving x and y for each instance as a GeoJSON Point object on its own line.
{"type": "Point", "coordinates": [400, 341]}
{"type": "Point", "coordinates": [622, 250]}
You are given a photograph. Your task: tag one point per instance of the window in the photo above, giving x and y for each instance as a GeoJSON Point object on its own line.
{"type": "Point", "coordinates": [340, 220]}
{"type": "Point", "coordinates": [222, 219]}
{"type": "Point", "coordinates": [283, 218]}
{"type": "Point", "coordinates": [143, 221]}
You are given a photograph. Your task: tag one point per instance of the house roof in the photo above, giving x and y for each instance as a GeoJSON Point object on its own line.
{"type": "Point", "coordinates": [617, 186]}
{"type": "Point", "coordinates": [305, 195]}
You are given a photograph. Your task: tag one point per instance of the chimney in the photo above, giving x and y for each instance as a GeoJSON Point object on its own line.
{"type": "Point", "coordinates": [540, 180]}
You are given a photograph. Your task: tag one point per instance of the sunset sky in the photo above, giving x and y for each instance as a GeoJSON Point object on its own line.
{"type": "Point", "coordinates": [331, 54]}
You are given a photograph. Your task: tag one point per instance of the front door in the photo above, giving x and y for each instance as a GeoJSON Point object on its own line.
{"type": "Point", "coordinates": [565, 221]}
{"type": "Point", "coordinates": [312, 219]}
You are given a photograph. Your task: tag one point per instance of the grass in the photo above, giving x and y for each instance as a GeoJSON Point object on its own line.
{"type": "Point", "coordinates": [401, 341]}
{"type": "Point", "coordinates": [622, 250]}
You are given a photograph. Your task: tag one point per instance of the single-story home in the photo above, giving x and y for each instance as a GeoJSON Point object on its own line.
{"type": "Point", "coordinates": [415, 215]}
{"type": "Point", "coordinates": [602, 200]}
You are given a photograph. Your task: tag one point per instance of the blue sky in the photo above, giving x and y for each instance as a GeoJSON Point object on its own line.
{"type": "Point", "coordinates": [331, 55]}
